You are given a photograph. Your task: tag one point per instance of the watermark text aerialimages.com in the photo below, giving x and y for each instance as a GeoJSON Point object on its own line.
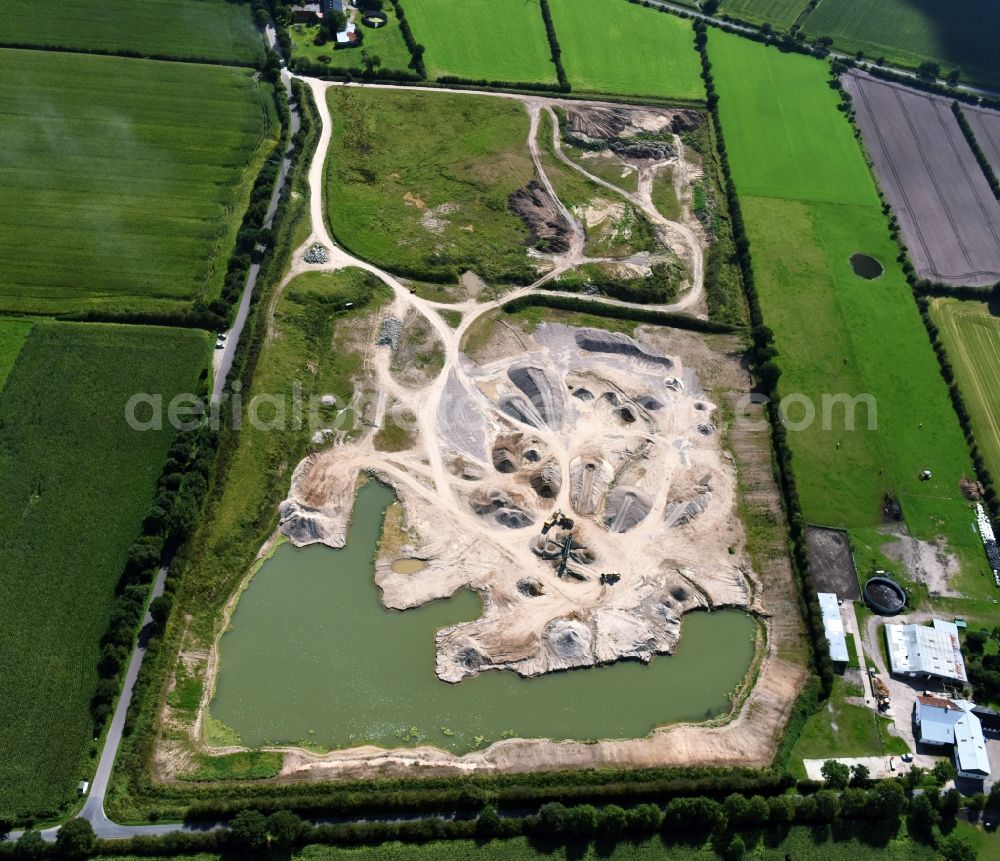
{"type": "Point", "coordinates": [327, 413]}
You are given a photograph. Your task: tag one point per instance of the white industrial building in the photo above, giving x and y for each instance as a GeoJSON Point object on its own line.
{"type": "Point", "coordinates": [919, 650]}
{"type": "Point", "coordinates": [942, 722]}
{"type": "Point", "coordinates": [833, 625]}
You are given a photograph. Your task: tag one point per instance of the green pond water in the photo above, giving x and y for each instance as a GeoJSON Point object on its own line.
{"type": "Point", "coordinates": [312, 656]}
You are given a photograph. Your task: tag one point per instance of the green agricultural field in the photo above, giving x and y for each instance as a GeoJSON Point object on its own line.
{"type": "Point", "coordinates": [187, 29]}
{"type": "Point", "coordinates": [780, 14]}
{"type": "Point", "coordinates": [971, 336]}
{"type": "Point", "coordinates": [624, 48]}
{"type": "Point", "coordinates": [75, 484]}
{"type": "Point", "coordinates": [418, 182]}
{"type": "Point", "coordinates": [784, 135]}
{"type": "Point", "coordinates": [122, 182]}
{"type": "Point", "coordinates": [481, 39]}
{"type": "Point", "coordinates": [12, 336]}
{"type": "Point", "coordinates": [386, 43]}
{"type": "Point", "coordinates": [837, 333]}
{"type": "Point", "coordinates": [908, 32]}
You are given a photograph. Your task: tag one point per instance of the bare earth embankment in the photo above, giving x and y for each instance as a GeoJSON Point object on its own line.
{"type": "Point", "coordinates": [948, 214]}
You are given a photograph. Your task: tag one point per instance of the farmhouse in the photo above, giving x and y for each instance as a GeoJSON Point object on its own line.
{"type": "Point", "coordinates": [348, 36]}
{"type": "Point", "coordinates": [308, 13]}
{"type": "Point", "coordinates": [918, 650]}
{"type": "Point", "coordinates": [833, 625]}
{"type": "Point", "coordinates": [943, 722]}
{"type": "Point", "coordinates": [334, 6]}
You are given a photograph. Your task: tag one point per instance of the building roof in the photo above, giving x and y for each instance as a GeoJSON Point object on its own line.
{"type": "Point", "coordinates": [954, 722]}
{"type": "Point", "coordinates": [834, 627]}
{"type": "Point", "coordinates": [933, 651]}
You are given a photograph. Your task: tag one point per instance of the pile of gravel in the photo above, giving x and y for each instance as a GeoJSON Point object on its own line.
{"type": "Point", "coordinates": [389, 332]}
{"type": "Point", "coordinates": [317, 254]}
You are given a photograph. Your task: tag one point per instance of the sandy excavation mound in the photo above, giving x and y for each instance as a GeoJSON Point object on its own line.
{"type": "Point", "coordinates": [548, 230]}
{"type": "Point", "coordinates": [570, 485]}
{"type": "Point", "coordinates": [632, 133]}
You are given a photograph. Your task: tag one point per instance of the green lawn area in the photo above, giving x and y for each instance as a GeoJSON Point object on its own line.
{"type": "Point", "coordinates": [386, 43]}
{"type": "Point", "coordinates": [186, 29]}
{"type": "Point", "coordinates": [419, 182]}
{"type": "Point", "coordinates": [122, 182]}
{"type": "Point", "coordinates": [780, 14]}
{"type": "Point", "coordinates": [908, 32]}
{"type": "Point", "coordinates": [809, 203]}
{"type": "Point", "coordinates": [971, 336]}
{"type": "Point", "coordinates": [624, 48]}
{"type": "Point", "coordinates": [75, 484]}
{"type": "Point", "coordinates": [483, 40]}
{"type": "Point", "coordinates": [12, 336]}
{"type": "Point", "coordinates": [842, 729]}
{"type": "Point", "coordinates": [782, 129]}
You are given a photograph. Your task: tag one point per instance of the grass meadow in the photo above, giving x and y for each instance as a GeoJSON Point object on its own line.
{"type": "Point", "coordinates": [217, 30]}
{"type": "Point", "coordinates": [12, 336]}
{"type": "Point", "coordinates": [75, 484]}
{"type": "Point", "coordinates": [122, 181]}
{"type": "Point", "coordinates": [481, 39]}
{"type": "Point", "coordinates": [780, 14]}
{"type": "Point", "coordinates": [809, 203]}
{"type": "Point", "coordinates": [971, 336]}
{"type": "Point", "coordinates": [624, 48]}
{"type": "Point", "coordinates": [909, 32]}
{"type": "Point", "coordinates": [418, 182]}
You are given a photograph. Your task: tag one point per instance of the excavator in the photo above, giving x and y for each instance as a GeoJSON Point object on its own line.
{"type": "Point", "coordinates": [557, 519]}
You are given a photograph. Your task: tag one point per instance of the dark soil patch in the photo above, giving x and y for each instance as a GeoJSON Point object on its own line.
{"type": "Point", "coordinates": [831, 562]}
{"type": "Point", "coordinates": [866, 267]}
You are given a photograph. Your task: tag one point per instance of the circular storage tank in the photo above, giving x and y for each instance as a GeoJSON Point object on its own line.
{"type": "Point", "coordinates": [884, 596]}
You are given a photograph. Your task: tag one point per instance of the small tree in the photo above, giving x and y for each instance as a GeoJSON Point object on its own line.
{"type": "Point", "coordinates": [954, 76]}
{"type": "Point", "coordinates": [285, 828]}
{"type": "Point", "coordinates": [613, 820]}
{"type": "Point", "coordinates": [928, 70]}
{"type": "Point", "coordinates": [75, 839]}
{"type": "Point", "coordinates": [957, 848]}
{"type": "Point", "coordinates": [488, 823]}
{"type": "Point", "coordinates": [836, 774]}
{"type": "Point", "coordinates": [860, 776]}
{"type": "Point", "coordinates": [736, 850]}
{"type": "Point", "coordinates": [943, 771]}
{"type": "Point", "coordinates": [31, 845]}
{"type": "Point", "coordinates": [249, 829]}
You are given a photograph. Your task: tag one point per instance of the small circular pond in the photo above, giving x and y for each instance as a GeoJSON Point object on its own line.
{"type": "Point", "coordinates": [884, 596]}
{"type": "Point", "coordinates": [865, 266]}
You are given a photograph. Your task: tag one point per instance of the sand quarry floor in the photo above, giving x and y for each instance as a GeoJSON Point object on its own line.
{"type": "Point", "coordinates": [622, 436]}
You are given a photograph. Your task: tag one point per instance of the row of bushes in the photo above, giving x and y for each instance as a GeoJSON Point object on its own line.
{"type": "Point", "coordinates": [930, 86]}
{"type": "Point", "coordinates": [550, 31]}
{"type": "Point", "coordinates": [617, 312]}
{"type": "Point", "coordinates": [482, 83]}
{"type": "Point", "coordinates": [415, 48]}
{"type": "Point", "coordinates": [180, 490]}
{"type": "Point", "coordinates": [251, 833]}
{"type": "Point", "coordinates": [768, 374]}
{"type": "Point", "coordinates": [977, 151]}
{"type": "Point", "coordinates": [315, 69]}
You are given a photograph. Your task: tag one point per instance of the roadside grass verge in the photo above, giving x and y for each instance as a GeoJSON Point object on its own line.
{"type": "Point", "coordinates": [809, 203]}
{"type": "Point", "coordinates": [123, 181]}
{"type": "Point", "coordinates": [12, 336]}
{"type": "Point", "coordinates": [909, 32]}
{"type": "Point", "coordinates": [213, 30]}
{"type": "Point", "coordinates": [418, 183]}
{"type": "Point", "coordinates": [483, 40]}
{"type": "Point", "coordinates": [75, 483]}
{"type": "Point", "coordinates": [625, 48]}
{"type": "Point", "coordinates": [971, 336]}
